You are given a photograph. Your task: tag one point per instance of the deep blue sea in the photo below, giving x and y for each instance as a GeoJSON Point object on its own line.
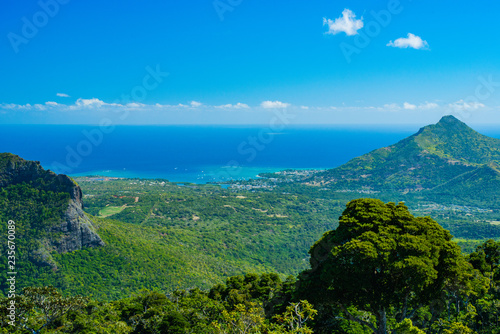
{"type": "Point", "coordinates": [197, 154]}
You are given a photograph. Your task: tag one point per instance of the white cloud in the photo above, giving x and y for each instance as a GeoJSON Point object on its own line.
{"type": "Point", "coordinates": [13, 106]}
{"type": "Point", "coordinates": [40, 107]}
{"type": "Point", "coordinates": [428, 105]}
{"type": "Point", "coordinates": [391, 107]}
{"type": "Point", "coordinates": [95, 104]}
{"type": "Point", "coordinates": [409, 106]}
{"type": "Point", "coordinates": [462, 105]}
{"type": "Point", "coordinates": [346, 23]}
{"type": "Point", "coordinates": [92, 103]}
{"type": "Point", "coordinates": [411, 41]}
{"type": "Point", "coordinates": [62, 95]}
{"type": "Point", "coordinates": [135, 105]}
{"type": "Point", "coordinates": [234, 106]}
{"type": "Point", "coordinates": [274, 104]}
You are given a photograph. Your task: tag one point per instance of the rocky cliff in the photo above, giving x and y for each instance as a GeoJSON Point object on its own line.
{"type": "Point", "coordinates": [75, 230]}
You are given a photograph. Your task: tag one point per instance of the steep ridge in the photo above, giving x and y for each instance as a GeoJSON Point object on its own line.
{"type": "Point", "coordinates": [478, 187]}
{"type": "Point", "coordinates": [432, 157]}
{"type": "Point", "coordinates": [451, 138]}
{"type": "Point", "coordinates": [72, 231]}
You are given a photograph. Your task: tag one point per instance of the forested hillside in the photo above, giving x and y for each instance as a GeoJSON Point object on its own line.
{"type": "Point", "coordinates": [381, 271]}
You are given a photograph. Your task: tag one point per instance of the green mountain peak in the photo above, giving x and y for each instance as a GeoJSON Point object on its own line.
{"type": "Point", "coordinates": [435, 155]}
{"type": "Point", "coordinates": [455, 140]}
{"type": "Point", "coordinates": [446, 126]}
{"type": "Point", "coordinates": [450, 120]}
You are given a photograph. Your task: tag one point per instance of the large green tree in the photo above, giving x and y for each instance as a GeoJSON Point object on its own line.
{"type": "Point", "coordinates": [382, 261]}
{"type": "Point", "coordinates": [39, 308]}
{"type": "Point", "coordinates": [486, 259]}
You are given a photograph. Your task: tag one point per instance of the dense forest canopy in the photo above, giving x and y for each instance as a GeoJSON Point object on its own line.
{"type": "Point", "coordinates": [382, 271]}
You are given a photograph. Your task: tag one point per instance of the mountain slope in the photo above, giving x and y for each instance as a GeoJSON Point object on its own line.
{"type": "Point", "coordinates": [170, 236]}
{"type": "Point", "coordinates": [453, 139]}
{"type": "Point", "coordinates": [47, 209]}
{"type": "Point", "coordinates": [480, 187]}
{"type": "Point", "coordinates": [431, 158]}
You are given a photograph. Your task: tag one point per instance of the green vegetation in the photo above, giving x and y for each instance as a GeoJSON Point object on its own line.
{"type": "Point", "coordinates": [111, 210]}
{"type": "Point", "coordinates": [141, 257]}
{"type": "Point", "coordinates": [36, 212]}
{"type": "Point", "coordinates": [171, 237]}
{"type": "Point", "coordinates": [387, 268]}
{"type": "Point", "coordinates": [384, 261]}
{"type": "Point", "coordinates": [382, 271]}
{"type": "Point", "coordinates": [15, 170]}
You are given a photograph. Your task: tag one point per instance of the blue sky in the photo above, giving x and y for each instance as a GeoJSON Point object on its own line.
{"type": "Point", "coordinates": [242, 61]}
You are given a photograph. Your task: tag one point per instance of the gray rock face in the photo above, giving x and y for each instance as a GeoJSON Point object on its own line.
{"type": "Point", "coordinates": [76, 230]}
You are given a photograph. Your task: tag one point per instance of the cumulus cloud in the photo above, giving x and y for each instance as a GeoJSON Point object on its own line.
{"type": "Point", "coordinates": [92, 103]}
{"type": "Point", "coordinates": [274, 104]}
{"type": "Point", "coordinates": [135, 105]}
{"type": "Point", "coordinates": [428, 105]}
{"type": "Point", "coordinates": [347, 23]}
{"type": "Point", "coordinates": [62, 95]}
{"type": "Point", "coordinates": [234, 106]}
{"type": "Point", "coordinates": [463, 105]}
{"type": "Point", "coordinates": [13, 106]}
{"type": "Point", "coordinates": [95, 104]}
{"type": "Point", "coordinates": [391, 107]}
{"type": "Point", "coordinates": [40, 107]}
{"type": "Point", "coordinates": [409, 106]}
{"type": "Point", "coordinates": [412, 41]}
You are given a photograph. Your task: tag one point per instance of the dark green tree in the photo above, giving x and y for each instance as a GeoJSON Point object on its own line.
{"type": "Point", "coordinates": [39, 308]}
{"type": "Point", "coordinates": [381, 260]}
{"type": "Point", "coordinates": [486, 259]}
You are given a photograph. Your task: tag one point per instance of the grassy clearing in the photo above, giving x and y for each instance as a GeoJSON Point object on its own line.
{"type": "Point", "coordinates": [111, 210]}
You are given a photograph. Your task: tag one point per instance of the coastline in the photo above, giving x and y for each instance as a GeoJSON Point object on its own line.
{"type": "Point", "coordinates": [206, 175]}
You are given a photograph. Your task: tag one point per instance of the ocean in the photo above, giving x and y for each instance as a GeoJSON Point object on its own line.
{"type": "Point", "coordinates": [196, 154]}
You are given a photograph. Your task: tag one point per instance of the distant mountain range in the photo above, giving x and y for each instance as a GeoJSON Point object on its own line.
{"type": "Point", "coordinates": [440, 160]}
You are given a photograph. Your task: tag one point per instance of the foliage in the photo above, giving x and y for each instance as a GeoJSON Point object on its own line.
{"type": "Point", "coordinates": [296, 316]}
{"type": "Point", "coordinates": [42, 307]}
{"type": "Point", "coordinates": [265, 304]}
{"type": "Point", "coordinates": [406, 327]}
{"type": "Point", "coordinates": [381, 257]}
{"type": "Point", "coordinates": [486, 259]}
{"type": "Point", "coordinates": [242, 320]}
